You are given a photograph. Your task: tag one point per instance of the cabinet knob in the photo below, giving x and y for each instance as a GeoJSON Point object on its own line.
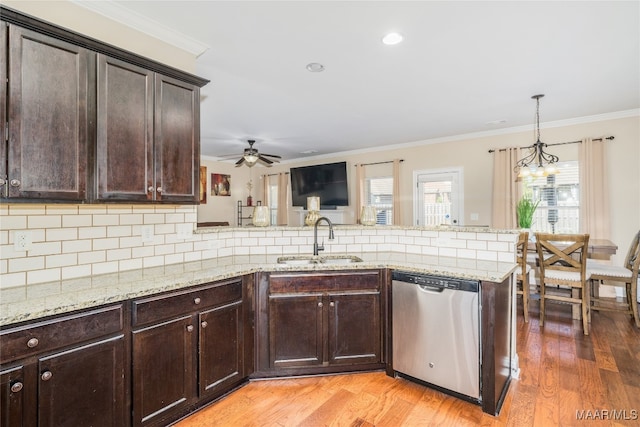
{"type": "Point", "coordinates": [197, 301]}
{"type": "Point", "coordinates": [16, 387]}
{"type": "Point", "coordinates": [332, 304]}
{"type": "Point", "coordinates": [320, 304]}
{"type": "Point", "coordinates": [33, 342]}
{"type": "Point", "coordinates": [150, 189]}
{"type": "Point", "coordinates": [15, 183]}
{"type": "Point", "coordinates": [46, 375]}
{"type": "Point", "coordinates": [2, 181]}
{"type": "Point", "coordinates": [159, 189]}
{"type": "Point", "coordinates": [204, 324]}
{"type": "Point", "coordinates": [190, 328]}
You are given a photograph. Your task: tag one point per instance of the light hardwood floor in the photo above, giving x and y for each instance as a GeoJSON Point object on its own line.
{"type": "Point", "coordinates": [563, 374]}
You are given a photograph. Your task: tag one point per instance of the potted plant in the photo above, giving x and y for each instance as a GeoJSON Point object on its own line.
{"type": "Point", "coordinates": [525, 210]}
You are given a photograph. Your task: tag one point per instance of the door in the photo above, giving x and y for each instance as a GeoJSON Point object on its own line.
{"type": "Point", "coordinates": [438, 197]}
{"type": "Point", "coordinates": [295, 330]}
{"type": "Point", "coordinates": [48, 117]}
{"type": "Point", "coordinates": [354, 328]}
{"type": "Point", "coordinates": [125, 131]}
{"type": "Point", "coordinates": [163, 369]}
{"type": "Point", "coordinates": [83, 386]}
{"type": "Point", "coordinates": [177, 140]}
{"type": "Point", "coordinates": [221, 347]}
{"type": "Point", "coordinates": [12, 398]}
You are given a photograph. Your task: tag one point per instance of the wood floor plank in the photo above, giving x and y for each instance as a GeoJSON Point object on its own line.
{"type": "Point", "coordinates": [562, 372]}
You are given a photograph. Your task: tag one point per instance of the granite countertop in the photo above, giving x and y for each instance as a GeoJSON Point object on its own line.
{"type": "Point", "coordinates": [93, 291]}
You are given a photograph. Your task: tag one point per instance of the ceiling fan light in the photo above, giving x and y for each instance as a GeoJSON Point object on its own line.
{"type": "Point", "coordinates": [250, 158]}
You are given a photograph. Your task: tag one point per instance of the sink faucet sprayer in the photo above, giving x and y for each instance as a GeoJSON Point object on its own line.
{"type": "Point", "coordinates": [316, 247]}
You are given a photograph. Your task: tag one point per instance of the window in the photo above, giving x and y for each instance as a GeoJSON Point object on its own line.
{"type": "Point", "coordinates": [379, 193]}
{"type": "Point", "coordinates": [559, 196]}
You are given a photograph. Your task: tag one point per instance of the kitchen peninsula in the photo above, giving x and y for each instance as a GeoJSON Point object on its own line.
{"type": "Point", "coordinates": [193, 309]}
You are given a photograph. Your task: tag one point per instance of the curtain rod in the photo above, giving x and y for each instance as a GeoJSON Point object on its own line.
{"type": "Point", "coordinates": [275, 174]}
{"type": "Point", "coordinates": [558, 143]}
{"type": "Point", "coordinates": [377, 163]}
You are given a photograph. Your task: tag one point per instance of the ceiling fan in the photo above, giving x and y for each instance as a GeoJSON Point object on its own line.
{"type": "Point", "coordinates": [251, 156]}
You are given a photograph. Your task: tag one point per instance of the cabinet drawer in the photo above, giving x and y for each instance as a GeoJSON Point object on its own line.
{"type": "Point", "coordinates": [329, 282]}
{"type": "Point", "coordinates": [20, 342]}
{"type": "Point", "coordinates": [166, 306]}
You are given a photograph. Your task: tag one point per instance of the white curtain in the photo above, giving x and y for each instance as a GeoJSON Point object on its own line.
{"type": "Point", "coordinates": [397, 213]}
{"type": "Point", "coordinates": [359, 190]}
{"type": "Point", "coordinates": [594, 186]}
{"type": "Point", "coordinates": [282, 215]}
{"type": "Point", "coordinates": [265, 190]}
{"type": "Point", "coordinates": [506, 188]}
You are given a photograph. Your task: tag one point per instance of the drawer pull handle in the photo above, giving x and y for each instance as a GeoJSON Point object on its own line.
{"type": "Point", "coordinates": [197, 301]}
{"type": "Point", "coordinates": [320, 304]}
{"type": "Point", "coordinates": [204, 324]}
{"type": "Point", "coordinates": [33, 342]}
{"type": "Point", "coordinates": [190, 328]}
{"type": "Point", "coordinates": [16, 387]}
{"type": "Point", "coordinates": [46, 375]}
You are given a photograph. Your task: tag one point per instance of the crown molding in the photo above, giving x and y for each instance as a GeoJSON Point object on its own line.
{"type": "Point", "coordinates": [121, 14]}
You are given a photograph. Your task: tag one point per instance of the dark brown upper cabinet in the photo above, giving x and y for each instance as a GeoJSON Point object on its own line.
{"type": "Point", "coordinates": [148, 143]}
{"type": "Point", "coordinates": [84, 121]}
{"type": "Point", "coordinates": [47, 115]}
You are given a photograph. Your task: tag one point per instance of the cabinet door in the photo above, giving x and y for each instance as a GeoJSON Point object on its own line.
{"type": "Point", "coordinates": [354, 328]}
{"type": "Point", "coordinates": [295, 330]}
{"type": "Point", "coordinates": [163, 369]}
{"type": "Point", "coordinates": [177, 140]}
{"type": "Point", "coordinates": [12, 400]}
{"type": "Point", "coordinates": [48, 117]}
{"type": "Point", "coordinates": [125, 131]}
{"type": "Point", "coordinates": [83, 386]}
{"type": "Point", "coordinates": [221, 348]}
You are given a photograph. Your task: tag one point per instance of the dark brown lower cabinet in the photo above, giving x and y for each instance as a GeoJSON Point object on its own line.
{"type": "Point", "coordinates": [188, 349]}
{"type": "Point", "coordinates": [321, 322]}
{"type": "Point", "coordinates": [65, 371]}
{"type": "Point", "coordinates": [162, 369]}
{"type": "Point", "coordinates": [83, 386]}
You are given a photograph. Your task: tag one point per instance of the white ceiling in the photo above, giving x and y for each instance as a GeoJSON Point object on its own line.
{"type": "Point", "coordinates": [461, 66]}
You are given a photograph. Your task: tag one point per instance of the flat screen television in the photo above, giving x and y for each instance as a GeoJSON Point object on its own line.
{"type": "Point", "coordinates": [327, 181]}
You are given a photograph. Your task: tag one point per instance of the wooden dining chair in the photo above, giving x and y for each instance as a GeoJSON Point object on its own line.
{"type": "Point", "coordinates": [563, 266]}
{"type": "Point", "coordinates": [522, 272]}
{"type": "Point", "coordinates": [625, 276]}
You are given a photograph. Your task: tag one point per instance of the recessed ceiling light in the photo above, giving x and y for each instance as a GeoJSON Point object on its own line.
{"type": "Point", "coordinates": [315, 67]}
{"type": "Point", "coordinates": [392, 38]}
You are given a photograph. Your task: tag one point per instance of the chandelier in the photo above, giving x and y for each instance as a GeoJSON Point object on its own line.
{"type": "Point", "coordinates": [538, 162]}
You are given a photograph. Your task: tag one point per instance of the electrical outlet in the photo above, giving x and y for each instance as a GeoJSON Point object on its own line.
{"type": "Point", "coordinates": [22, 241]}
{"type": "Point", "coordinates": [146, 231]}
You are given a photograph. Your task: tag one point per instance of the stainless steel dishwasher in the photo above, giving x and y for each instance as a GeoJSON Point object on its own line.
{"type": "Point", "coordinates": [436, 331]}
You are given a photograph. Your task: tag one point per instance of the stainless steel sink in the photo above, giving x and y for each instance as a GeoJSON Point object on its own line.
{"type": "Point", "coordinates": [298, 260]}
{"type": "Point", "coordinates": [310, 259]}
{"type": "Point", "coordinates": [340, 259]}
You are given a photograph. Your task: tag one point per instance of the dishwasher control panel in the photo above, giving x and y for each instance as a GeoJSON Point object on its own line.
{"type": "Point", "coordinates": [433, 281]}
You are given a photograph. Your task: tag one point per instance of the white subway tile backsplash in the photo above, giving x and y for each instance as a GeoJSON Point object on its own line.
{"type": "Point", "coordinates": [56, 234]}
{"type": "Point", "coordinates": [63, 260]}
{"type": "Point", "coordinates": [44, 221]}
{"type": "Point", "coordinates": [12, 280]}
{"type": "Point", "coordinates": [43, 276]}
{"type": "Point", "coordinates": [72, 242]}
{"type": "Point", "coordinates": [92, 257]}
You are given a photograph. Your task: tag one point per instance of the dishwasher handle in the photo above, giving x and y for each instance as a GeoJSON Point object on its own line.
{"type": "Point", "coordinates": [433, 289]}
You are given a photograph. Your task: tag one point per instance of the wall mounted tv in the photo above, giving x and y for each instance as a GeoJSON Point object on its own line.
{"type": "Point", "coordinates": [327, 181]}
